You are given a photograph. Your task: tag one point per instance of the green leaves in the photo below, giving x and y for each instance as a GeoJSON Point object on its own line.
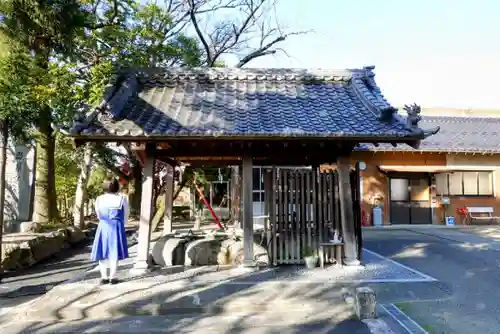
{"type": "Point", "coordinates": [43, 26]}
{"type": "Point", "coordinates": [17, 70]}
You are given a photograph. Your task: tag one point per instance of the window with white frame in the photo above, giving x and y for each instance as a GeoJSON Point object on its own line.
{"type": "Point", "coordinates": [465, 183]}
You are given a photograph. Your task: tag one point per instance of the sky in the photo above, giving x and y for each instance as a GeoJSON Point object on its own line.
{"type": "Point", "coordinates": [439, 53]}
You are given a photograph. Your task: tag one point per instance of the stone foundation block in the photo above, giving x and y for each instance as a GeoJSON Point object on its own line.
{"type": "Point", "coordinates": [365, 303]}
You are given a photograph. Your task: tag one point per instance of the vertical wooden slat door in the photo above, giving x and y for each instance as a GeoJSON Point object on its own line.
{"type": "Point", "coordinates": [304, 211]}
{"type": "Point", "coordinates": [275, 217]}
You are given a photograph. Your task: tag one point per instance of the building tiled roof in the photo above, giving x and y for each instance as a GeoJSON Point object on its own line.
{"type": "Point", "coordinates": [457, 134]}
{"type": "Point", "coordinates": [246, 103]}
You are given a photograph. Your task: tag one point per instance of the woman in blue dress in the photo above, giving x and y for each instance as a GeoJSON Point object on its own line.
{"type": "Point", "coordinates": [110, 243]}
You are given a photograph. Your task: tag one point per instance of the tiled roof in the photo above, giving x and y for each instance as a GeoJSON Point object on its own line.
{"type": "Point", "coordinates": [457, 134]}
{"type": "Point", "coordinates": [233, 103]}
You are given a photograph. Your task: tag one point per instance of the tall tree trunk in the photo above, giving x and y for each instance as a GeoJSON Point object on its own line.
{"type": "Point", "coordinates": [4, 134]}
{"type": "Point", "coordinates": [180, 186]}
{"type": "Point", "coordinates": [235, 195]}
{"type": "Point", "coordinates": [81, 188]}
{"type": "Point", "coordinates": [45, 208]}
{"type": "Point", "coordinates": [135, 189]}
{"type": "Point", "coordinates": [160, 202]}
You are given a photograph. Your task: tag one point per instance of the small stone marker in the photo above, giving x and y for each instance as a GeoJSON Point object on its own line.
{"type": "Point", "coordinates": [365, 303]}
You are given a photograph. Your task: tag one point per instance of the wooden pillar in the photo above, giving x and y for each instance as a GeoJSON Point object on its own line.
{"type": "Point", "coordinates": [247, 223]}
{"type": "Point", "coordinates": [169, 200]}
{"type": "Point", "coordinates": [434, 200]}
{"type": "Point", "coordinates": [235, 195]}
{"type": "Point", "coordinates": [268, 189]}
{"type": "Point", "coordinates": [192, 200]}
{"type": "Point", "coordinates": [355, 188]}
{"type": "Point", "coordinates": [146, 216]}
{"type": "Point", "coordinates": [347, 214]}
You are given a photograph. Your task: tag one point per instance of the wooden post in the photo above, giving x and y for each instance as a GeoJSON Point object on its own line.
{"type": "Point", "coordinates": [247, 212]}
{"type": "Point", "coordinates": [268, 189]}
{"type": "Point", "coordinates": [141, 263]}
{"type": "Point", "coordinates": [192, 206]}
{"type": "Point", "coordinates": [273, 219]}
{"type": "Point", "coordinates": [355, 180]}
{"type": "Point", "coordinates": [347, 215]}
{"type": "Point", "coordinates": [235, 195]}
{"type": "Point", "coordinates": [169, 203]}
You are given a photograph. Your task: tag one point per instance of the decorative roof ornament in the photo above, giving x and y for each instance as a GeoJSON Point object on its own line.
{"type": "Point", "coordinates": [105, 115]}
{"type": "Point", "coordinates": [413, 112]}
{"type": "Point", "coordinates": [413, 117]}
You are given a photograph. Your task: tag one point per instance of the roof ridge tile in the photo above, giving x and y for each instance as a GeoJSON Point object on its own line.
{"type": "Point", "coordinates": [257, 74]}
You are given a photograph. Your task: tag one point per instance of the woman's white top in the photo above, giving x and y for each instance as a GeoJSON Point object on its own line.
{"type": "Point", "coordinates": [113, 201]}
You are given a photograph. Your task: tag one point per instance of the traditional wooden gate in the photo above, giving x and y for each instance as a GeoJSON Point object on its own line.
{"type": "Point", "coordinates": [306, 211]}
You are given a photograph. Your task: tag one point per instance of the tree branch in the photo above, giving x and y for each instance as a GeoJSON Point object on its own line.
{"type": "Point", "coordinates": [194, 21]}
{"type": "Point", "coordinates": [238, 32]}
{"type": "Point", "coordinates": [110, 22]}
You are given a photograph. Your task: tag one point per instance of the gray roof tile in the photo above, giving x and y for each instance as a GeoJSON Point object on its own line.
{"type": "Point", "coordinates": [245, 103]}
{"type": "Point", "coordinates": [457, 134]}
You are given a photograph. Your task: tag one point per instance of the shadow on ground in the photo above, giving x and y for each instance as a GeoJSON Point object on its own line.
{"type": "Point", "coordinates": [269, 301]}
{"type": "Point", "coordinates": [466, 266]}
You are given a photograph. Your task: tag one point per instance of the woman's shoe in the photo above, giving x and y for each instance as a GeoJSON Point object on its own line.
{"type": "Point", "coordinates": [113, 281]}
{"type": "Point", "coordinates": [104, 281]}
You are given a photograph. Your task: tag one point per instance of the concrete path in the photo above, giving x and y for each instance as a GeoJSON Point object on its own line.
{"type": "Point", "coordinates": [25, 285]}
{"type": "Point", "coordinates": [465, 299]}
{"type": "Point", "coordinates": [21, 286]}
{"type": "Point", "coordinates": [281, 322]}
{"type": "Point", "coordinates": [287, 299]}
{"type": "Point", "coordinates": [222, 301]}
{"type": "Point", "coordinates": [208, 300]}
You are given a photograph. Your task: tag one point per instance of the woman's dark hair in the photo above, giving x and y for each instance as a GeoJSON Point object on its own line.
{"type": "Point", "coordinates": [111, 186]}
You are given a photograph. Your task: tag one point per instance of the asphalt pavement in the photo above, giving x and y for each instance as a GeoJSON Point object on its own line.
{"type": "Point", "coordinates": [465, 300]}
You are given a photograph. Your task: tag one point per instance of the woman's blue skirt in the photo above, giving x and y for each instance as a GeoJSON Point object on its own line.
{"type": "Point", "coordinates": [110, 242]}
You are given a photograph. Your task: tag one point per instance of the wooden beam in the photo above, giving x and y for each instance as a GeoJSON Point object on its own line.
{"type": "Point", "coordinates": [138, 146]}
{"type": "Point", "coordinates": [169, 161]}
{"type": "Point", "coordinates": [262, 148]}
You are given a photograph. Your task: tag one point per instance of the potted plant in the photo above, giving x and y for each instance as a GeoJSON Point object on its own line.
{"type": "Point", "coordinates": [310, 258]}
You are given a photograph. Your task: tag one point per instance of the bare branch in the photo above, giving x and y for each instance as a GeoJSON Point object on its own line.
{"type": "Point", "coordinates": [232, 4]}
{"type": "Point", "coordinates": [266, 49]}
{"type": "Point", "coordinates": [250, 20]}
{"type": "Point", "coordinates": [110, 22]}
{"type": "Point", "coordinates": [247, 23]}
{"type": "Point", "coordinates": [194, 21]}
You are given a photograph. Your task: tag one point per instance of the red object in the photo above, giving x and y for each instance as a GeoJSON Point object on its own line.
{"type": "Point", "coordinates": [125, 170]}
{"type": "Point", "coordinates": [462, 211]}
{"type": "Point", "coordinates": [364, 218]}
{"type": "Point", "coordinates": [214, 216]}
